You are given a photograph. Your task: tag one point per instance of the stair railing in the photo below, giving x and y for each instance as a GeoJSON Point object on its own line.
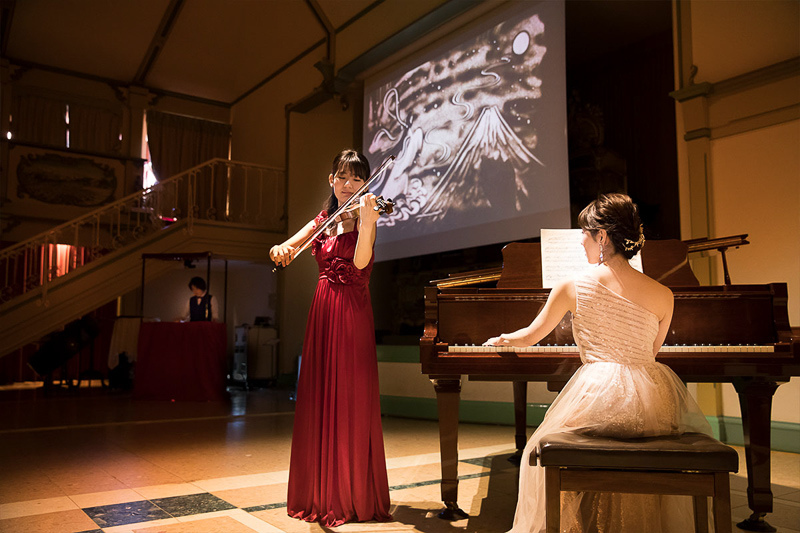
{"type": "Point", "coordinates": [219, 190]}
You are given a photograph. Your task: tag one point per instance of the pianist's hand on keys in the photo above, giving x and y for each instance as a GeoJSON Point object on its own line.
{"type": "Point", "coordinates": [536, 348]}
{"type": "Point", "coordinates": [497, 341]}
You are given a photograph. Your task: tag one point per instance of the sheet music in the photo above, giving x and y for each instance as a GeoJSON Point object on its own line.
{"type": "Point", "coordinates": [563, 256]}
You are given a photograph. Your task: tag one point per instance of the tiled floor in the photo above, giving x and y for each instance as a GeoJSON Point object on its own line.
{"type": "Point", "coordinates": [92, 461]}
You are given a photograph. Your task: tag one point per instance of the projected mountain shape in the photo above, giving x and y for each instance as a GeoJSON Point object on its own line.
{"type": "Point", "coordinates": [484, 171]}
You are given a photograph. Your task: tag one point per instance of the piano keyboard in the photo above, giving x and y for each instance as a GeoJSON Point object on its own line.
{"type": "Point", "coordinates": [574, 349]}
{"type": "Point", "coordinates": [709, 348]}
{"type": "Point", "coordinates": [517, 349]}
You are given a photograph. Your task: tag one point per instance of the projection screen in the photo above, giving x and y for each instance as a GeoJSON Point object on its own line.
{"type": "Point", "coordinates": [478, 127]}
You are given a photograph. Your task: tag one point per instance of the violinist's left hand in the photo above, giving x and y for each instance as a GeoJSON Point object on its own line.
{"type": "Point", "coordinates": [367, 214]}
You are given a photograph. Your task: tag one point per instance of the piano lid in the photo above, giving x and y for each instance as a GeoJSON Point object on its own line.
{"type": "Point", "coordinates": [666, 261]}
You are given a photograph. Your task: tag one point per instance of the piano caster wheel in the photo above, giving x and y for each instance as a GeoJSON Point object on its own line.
{"type": "Point", "coordinates": [756, 522]}
{"type": "Point", "coordinates": [452, 512]}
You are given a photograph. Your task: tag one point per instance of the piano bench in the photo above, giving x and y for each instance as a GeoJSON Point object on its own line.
{"type": "Point", "coordinates": [691, 464]}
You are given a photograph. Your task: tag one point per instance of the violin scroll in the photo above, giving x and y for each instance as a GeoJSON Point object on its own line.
{"type": "Point", "coordinates": [381, 206]}
{"type": "Point", "coordinates": [384, 206]}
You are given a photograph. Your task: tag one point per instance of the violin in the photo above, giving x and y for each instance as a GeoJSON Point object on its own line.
{"type": "Point", "coordinates": [349, 206]}
{"type": "Point", "coordinates": [351, 213]}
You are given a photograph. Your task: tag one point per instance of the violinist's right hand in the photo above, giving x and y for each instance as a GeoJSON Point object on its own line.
{"type": "Point", "coordinates": [281, 254]}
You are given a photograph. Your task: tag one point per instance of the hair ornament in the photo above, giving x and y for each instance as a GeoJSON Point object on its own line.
{"type": "Point", "coordinates": [638, 243]}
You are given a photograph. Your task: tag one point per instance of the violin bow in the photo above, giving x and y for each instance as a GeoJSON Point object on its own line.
{"type": "Point", "coordinates": [341, 209]}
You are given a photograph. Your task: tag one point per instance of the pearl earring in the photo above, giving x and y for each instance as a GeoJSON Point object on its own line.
{"type": "Point", "coordinates": [601, 253]}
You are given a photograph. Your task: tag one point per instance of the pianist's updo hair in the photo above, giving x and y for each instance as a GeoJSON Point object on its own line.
{"type": "Point", "coordinates": [618, 215]}
{"type": "Point", "coordinates": [346, 160]}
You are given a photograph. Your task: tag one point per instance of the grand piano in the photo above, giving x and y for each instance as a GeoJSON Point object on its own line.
{"type": "Point", "coordinates": [728, 333]}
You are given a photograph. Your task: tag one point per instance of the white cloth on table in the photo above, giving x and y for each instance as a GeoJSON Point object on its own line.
{"type": "Point", "coordinates": [124, 338]}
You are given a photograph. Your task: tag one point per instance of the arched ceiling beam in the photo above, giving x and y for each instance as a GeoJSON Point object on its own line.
{"type": "Point", "coordinates": [159, 40]}
{"type": "Point", "coordinates": [6, 15]}
{"type": "Point", "coordinates": [330, 31]}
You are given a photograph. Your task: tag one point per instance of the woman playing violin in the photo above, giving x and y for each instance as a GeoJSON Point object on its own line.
{"type": "Point", "coordinates": [337, 472]}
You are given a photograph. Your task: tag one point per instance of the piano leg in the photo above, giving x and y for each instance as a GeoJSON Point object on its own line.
{"type": "Point", "coordinates": [520, 414]}
{"type": "Point", "coordinates": [448, 392]}
{"type": "Point", "coordinates": [520, 419]}
{"type": "Point", "coordinates": [755, 400]}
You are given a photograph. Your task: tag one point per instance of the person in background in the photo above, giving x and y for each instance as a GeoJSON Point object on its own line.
{"type": "Point", "coordinates": [201, 306]}
{"type": "Point", "coordinates": [337, 472]}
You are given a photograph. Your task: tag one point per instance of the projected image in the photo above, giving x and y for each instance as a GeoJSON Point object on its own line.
{"type": "Point", "coordinates": [465, 127]}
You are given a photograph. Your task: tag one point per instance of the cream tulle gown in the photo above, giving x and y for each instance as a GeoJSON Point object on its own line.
{"type": "Point", "coordinates": [619, 391]}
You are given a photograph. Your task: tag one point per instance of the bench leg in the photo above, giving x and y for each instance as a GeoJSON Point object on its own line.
{"type": "Point", "coordinates": [700, 514]}
{"type": "Point", "coordinates": [722, 503]}
{"type": "Point", "coordinates": [552, 491]}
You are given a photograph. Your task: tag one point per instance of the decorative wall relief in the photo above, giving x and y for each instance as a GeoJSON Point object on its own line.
{"type": "Point", "coordinates": [59, 184]}
{"type": "Point", "coordinates": [62, 180]}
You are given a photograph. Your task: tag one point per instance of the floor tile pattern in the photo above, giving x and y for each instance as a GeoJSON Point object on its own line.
{"type": "Point", "coordinates": [125, 513]}
{"type": "Point", "coordinates": [93, 462]}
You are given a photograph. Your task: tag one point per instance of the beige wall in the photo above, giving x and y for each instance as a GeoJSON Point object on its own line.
{"type": "Point", "coordinates": [733, 37]}
{"type": "Point", "coordinates": [755, 188]}
{"type": "Point", "coordinates": [740, 166]}
{"type": "Point", "coordinates": [259, 136]}
{"type": "Point", "coordinates": [258, 122]}
{"type": "Point", "coordinates": [251, 293]}
{"type": "Point", "coordinates": [316, 138]}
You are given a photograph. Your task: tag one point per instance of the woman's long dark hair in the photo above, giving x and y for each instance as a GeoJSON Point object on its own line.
{"type": "Point", "coordinates": [346, 160]}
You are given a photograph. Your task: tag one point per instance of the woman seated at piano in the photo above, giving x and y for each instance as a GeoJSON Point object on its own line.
{"type": "Point", "coordinates": [620, 319]}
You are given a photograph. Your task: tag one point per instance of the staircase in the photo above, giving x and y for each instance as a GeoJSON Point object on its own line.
{"type": "Point", "coordinates": [236, 210]}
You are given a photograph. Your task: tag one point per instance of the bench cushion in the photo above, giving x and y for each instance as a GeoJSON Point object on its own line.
{"type": "Point", "coordinates": [689, 451]}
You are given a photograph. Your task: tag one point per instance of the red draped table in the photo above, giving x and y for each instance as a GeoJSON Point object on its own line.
{"type": "Point", "coordinates": [181, 361]}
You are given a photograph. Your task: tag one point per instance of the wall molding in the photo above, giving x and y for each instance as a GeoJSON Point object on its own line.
{"type": "Point", "coordinates": [758, 99]}
{"type": "Point", "coordinates": [755, 78]}
{"type": "Point", "coordinates": [756, 121]}
{"type": "Point", "coordinates": [692, 91]}
{"type": "Point", "coordinates": [785, 436]}
{"type": "Point", "coordinates": [470, 411]}
{"type": "Point", "coordinates": [697, 134]}
{"type": "Point", "coordinates": [390, 353]}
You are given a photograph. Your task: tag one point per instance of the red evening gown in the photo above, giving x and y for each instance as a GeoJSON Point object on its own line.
{"type": "Point", "coordinates": [338, 467]}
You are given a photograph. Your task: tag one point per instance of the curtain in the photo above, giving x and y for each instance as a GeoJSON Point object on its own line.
{"type": "Point", "coordinates": [39, 119]}
{"type": "Point", "coordinates": [179, 143]}
{"type": "Point", "coordinates": [94, 129]}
